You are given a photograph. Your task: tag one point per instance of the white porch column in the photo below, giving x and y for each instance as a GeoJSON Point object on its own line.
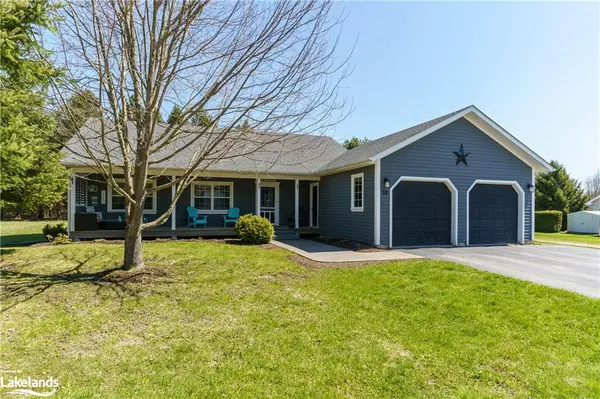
{"type": "Point", "coordinates": [297, 203]}
{"type": "Point", "coordinates": [377, 205]}
{"type": "Point", "coordinates": [174, 212]}
{"type": "Point", "coordinates": [532, 204]}
{"type": "Point", "coordinates": [257, 211]}
{"type": "Point", "coordinates": [71, 201]}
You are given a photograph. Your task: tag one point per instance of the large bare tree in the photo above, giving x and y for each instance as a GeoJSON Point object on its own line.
{"type": "Point", "coordinates": [266, 66]}
{"type": "Point", "coordinates": [592, 185]}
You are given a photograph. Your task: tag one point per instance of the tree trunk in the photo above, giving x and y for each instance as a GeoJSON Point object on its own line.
{"type": "Point", "coordinates": [134, 255]}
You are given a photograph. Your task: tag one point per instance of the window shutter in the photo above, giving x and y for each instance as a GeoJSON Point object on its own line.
{"type": "Point", "coordinates": [80, 191]}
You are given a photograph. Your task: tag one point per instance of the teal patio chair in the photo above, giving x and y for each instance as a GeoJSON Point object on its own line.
{"type": "Point", "coordinates": [195, 220]}
{"type": "Point", "coordinates": [233, 214]}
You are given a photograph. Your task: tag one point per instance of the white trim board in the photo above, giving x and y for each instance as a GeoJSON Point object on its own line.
{"type": "Point", "coordinates": [533, 205]}
{"type": "Point", "coordinates": [475, 116]}
{"type": "Point", "coordinates": [360, 208]}
{"type": "Point", "coordinates": [453, 205]}
{"type": "Point", "coordinates": [377, 204]}
{"type": "Point", "coordinates": [521, 212]}
{"type": "Point", "coordinates": [156, 172]}
{"type": "Point", "coordinates": [71, 203]}
{"type": "Point", "coordinates": [174, 211]}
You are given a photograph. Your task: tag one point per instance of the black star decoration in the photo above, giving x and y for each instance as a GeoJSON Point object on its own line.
{"type": "Point", "coordinates": [461, 156]}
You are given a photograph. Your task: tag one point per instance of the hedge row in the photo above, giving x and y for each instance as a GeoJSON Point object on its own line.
{"type": "Point", "coordinates": [548, 221]}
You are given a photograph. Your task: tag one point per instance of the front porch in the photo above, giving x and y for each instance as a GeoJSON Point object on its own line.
{"type": "Point", "coordinates": [290, 204]}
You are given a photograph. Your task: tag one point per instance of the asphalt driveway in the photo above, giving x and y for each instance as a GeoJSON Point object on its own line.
{"type": "Point", "coordinates": [571, 268]}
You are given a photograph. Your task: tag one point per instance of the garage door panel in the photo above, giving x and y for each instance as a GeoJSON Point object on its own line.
{"type": "Point", "coordinates": [442, 225]}
{"type": "Point", "coordinates": [498, 212]}
{"type": "Point", "coordinates": [428, 200]}
{"type": "Point", "coordinates": [413, 224]}
{"type": "Point", "coordinates": [421, 214]}
{"type": "Point", "coordinates": [412, 201]}
{"type": "Point", "coordinates": [427, 212]}
{"type": "Point", "coordinates": [493, 214]}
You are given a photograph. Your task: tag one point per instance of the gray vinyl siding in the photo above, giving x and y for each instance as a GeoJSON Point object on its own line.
{"type": "Point", "coordinates": [287, 201]}
{"type": "Point", "coordinates": [304, 207]}
{"type": "Point", "coordinates": [433, 156]}
{"type": "Point", "coordinates": [336, 218]}
{"type": "Point", "coordinates": [243, 197]}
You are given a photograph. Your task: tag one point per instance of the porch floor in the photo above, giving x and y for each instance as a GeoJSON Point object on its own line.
{"type": "Point", "coordinates": [184, 232]}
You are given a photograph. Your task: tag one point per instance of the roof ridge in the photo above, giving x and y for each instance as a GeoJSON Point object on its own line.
{"type": "Point", "coordinates": [439, 118]}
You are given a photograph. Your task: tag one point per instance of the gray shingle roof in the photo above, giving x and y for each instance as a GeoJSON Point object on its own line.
{"type": "Point", "coordinates": [369, 149]}
{"type": "Point", "coordinates": [247, 152]}
{"type": "Point", "coordinates": [234, 151]}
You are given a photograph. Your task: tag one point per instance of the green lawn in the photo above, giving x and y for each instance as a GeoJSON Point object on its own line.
{"type": "Point", "coordinates": [593, 239]}
{"type": "Point", "coordinates": [208, 319]}
{"type": "Point", "coordinates": [18, 232]}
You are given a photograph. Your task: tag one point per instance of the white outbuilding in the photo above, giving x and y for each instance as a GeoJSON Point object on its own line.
{"type": "Point", "coordinates": [584, 222]}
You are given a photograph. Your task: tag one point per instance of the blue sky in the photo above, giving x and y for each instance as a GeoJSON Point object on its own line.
{"type": "Point", "coordinates": [532, 67]}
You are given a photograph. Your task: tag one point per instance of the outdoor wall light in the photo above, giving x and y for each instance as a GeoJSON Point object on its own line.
{"type": "Point", "coordinates": [386, 183]}
{"type": "Point", "coordinates": [531, 187]}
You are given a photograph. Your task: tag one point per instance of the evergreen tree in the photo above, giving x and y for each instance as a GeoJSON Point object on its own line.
{"type": "Point", "coordinates": [201, 118]}
{"type": "Point", "coordinates": [354, 142]}
{"type": "Point", "coordinates": [32, 176]}
{"type": "Point", "coordinates": [76, 111]}
{"type": "Point", "coordinates": [556, 190]}
{"type": "Point", "coordinates": [245, 125]}
{"type": "Point", "coordinates": [175, 115]}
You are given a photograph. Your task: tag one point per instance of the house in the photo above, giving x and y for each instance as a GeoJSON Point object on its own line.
{"type": "Point", "coordinates": [584, 222]}
{"type": "Point", "coordinates": [593, 204]}
{"type": "Point", "coordinates": [459, 179]}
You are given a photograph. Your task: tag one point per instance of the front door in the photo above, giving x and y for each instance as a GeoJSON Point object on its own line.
{"type": "Point", "coordinates": [269, 203]}
{"type": "Point", "coordinates": [314, 205]}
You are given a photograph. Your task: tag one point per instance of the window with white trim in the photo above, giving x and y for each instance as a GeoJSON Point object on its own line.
{"type": "Point", "coordinates": [357, 192]}
{"type": "Point", "coordinates": [116, 202]}
{"type": "Point", "coordinates": [213, 196]}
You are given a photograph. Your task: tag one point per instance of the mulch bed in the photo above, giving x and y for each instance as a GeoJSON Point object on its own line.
{"type": "Point", "coordinates": [347, 244]}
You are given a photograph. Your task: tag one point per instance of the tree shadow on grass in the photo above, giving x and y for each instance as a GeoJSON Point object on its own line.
{"type": "Point", "coordinates": [19, 286]}
{"type": "Point", "coordinates": [22, 239]}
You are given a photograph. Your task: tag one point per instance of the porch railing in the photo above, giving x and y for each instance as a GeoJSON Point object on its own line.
{"type": "Point", "coordinates": [268, 213]}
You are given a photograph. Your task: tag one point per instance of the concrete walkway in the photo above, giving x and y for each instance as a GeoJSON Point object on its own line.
{"type": "Point", "coordinates": [320, 252]}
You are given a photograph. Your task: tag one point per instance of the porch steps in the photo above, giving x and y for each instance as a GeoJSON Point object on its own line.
{"type": "Point", "coordinates": [287, 235]}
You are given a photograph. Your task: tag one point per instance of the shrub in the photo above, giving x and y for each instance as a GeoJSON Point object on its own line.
{"type": "Point", "coordinates": [60, 239]}
{"type": "Point", "coordinates": [253, 229]}
{"type": "Point", "coordinates": [548, 221]}
{"type": "Point", "coordinates": [54, 231]}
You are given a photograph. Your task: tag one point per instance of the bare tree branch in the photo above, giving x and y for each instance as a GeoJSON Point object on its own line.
{"type": "Point", "coordinates": [272, 64]}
